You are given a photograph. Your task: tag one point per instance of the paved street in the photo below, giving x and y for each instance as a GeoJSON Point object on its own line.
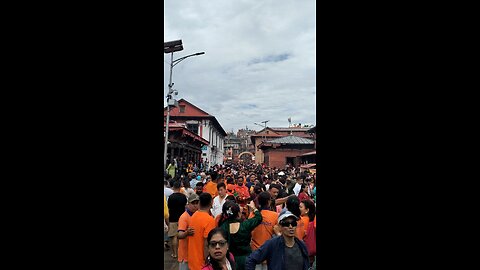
{"type": "Point", "coordinates": [169, 263]}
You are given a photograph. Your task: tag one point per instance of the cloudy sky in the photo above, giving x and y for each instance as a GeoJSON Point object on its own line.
{"type": "Point", "coordinates": [259, 62]}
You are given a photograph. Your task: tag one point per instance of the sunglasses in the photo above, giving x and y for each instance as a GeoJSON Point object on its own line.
{"type": "Point", "coordinates": [214, 244]}
{"type": "Point", "coordinates": [287, 224]}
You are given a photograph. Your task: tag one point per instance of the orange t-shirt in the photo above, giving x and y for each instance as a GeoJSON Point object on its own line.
{"type": "Point", "coordinates": [230, 187]}
{"type": "Point", "coordinates": [242, 191]}
{"type": "Point", "coordinates": [211, 188]}
{"type": "Point", "coordinates": [306, 221]}
{"type": "Point", "coordinates": [183, 223]}
{"type": "Point", "coordinates": [301, 228]}
{"type": "Point", "coordinates": [202, 223]}
{"type": "Point", "coordinates": [264, 231]}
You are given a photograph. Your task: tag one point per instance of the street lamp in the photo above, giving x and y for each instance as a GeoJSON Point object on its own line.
{"type": "Point", "coordinates": [171, 47]}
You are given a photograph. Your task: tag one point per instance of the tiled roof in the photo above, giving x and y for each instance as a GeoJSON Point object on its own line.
{"type": "Point", "coordinates": [292, 140]}
{"type": "Point", "coordinates": [289, 128]}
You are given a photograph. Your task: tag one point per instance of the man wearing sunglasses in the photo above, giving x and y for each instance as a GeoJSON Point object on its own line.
{"type": "Point", "coordinates": [284, 252]}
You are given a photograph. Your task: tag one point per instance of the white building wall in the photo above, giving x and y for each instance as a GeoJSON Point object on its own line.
{"type": "Point", "coordinates": [214, 151]}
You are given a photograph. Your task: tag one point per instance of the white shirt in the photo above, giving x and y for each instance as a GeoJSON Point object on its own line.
{"type": "Point", "coordinates": [229, 267]}
{"type": "Point", "coordinates": [217, 205]}
{"type": "Point", "coordinates": [296, 188]}
{"type": "Point", "coordinates": [167, 191]}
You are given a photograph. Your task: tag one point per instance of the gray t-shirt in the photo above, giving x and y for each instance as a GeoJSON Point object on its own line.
{"type": "Point", "coordinates": [293, 258]}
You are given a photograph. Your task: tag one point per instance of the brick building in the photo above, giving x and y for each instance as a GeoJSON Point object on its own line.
{"type": "Point", "coordinates": [270, 133]}
{"type": "Point", "coordinates": [285, 150]}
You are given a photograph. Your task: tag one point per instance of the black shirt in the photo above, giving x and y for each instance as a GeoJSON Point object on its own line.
{"type": "Point", "coordinates": [176, 206]}
{"type": "Point", "coordinates": [293, 258]}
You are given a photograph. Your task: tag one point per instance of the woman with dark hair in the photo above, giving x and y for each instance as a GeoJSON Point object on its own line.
{"type": "Point", "coordinates": [307, 210]}
{"type": "Point", "coordinates": [303, 195]}
{"type": "Point", "coordinates": [219, 257]}
{"type": "Point", "coordinates": [239, 233]}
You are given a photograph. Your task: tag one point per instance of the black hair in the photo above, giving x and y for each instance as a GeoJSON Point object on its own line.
{"type": "Point", "coordinates": [214, 175]}
{"type": "Point", "coordinates": [264, 199]}
{"type": "Point", "coordinates": [302, 186]}
{"type": "Point", "coordinates": [311, 209]}
{"type": "Point", "coordinates": [186, 183]}
{"type": "Point", "coordinates": [230, 180]}
{"type": "Point", "coordinates": [293, 205]}
{"type": "Point", "coordinates": [220, 185]}
{"type": "Point", "coordinates": [230, 211]}
{"type": "Point", "coordinates": [257, 189]}
{"type": "Point", "coordinates": [205, 199]}
{"type": "Point", "coordinates": [199, 184]}
{"type": "Point", "coordinates": [231, 198]}
{"type": "Point", "coordinates": [277, 186]}
{"type": "Point", "coordinates": [176, 184]}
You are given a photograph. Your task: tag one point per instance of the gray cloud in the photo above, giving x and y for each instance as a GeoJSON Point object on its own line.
{"type": "Point", "coordinates": [259, 62]}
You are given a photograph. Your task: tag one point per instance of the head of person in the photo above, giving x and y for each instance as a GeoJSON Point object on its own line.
{"type": "Point", "coordinates": [253, 178]}
{"type": "Point", "coordinates": [240, 180]}
{"type": "Point", "coordinates": [230, 198]}
{"type": "Point", "coordinates": [293, 205]}
{"type": "Point", "coordinates": [218, 248]}
{"type": "Point", "coordinates": [186, 183]}
{"type": "Point", "coordinates": [199, 188]}
{"type": "Point", "coordinates": [230, 180]}
{"type": "Point", "coordinates": [257, 189]}
{"type": "Point", "coordinates": [222, 189]}
{"type": "Point", "coordinates": [288, 223]}
{"type": "Point", "coordinates": [304, 188]}
{"type": "Point", "coordinates": [193, 202]}
{"type": "Point", "coordinates": [231, 211]}
{"type": "Point", "coordinates": [264, 199]}
{"type": "Point", "coordinates": [274, 189]}
{"type": "Point", "coordinates": [177, 185]}
{"type": "Point", "coordinates": [307, 208]}
{"type": "Point", "coordinates": [214, 177]}
{"type": "Point", "coordinates": [205, 201]}
{"type": "Point", "coordinates": [299, 180]}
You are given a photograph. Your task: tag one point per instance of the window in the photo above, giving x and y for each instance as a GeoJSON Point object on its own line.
{"type": "Point", "coordinates": [193, 128]}
{"type": "Point", "coordinates": [182, 108]}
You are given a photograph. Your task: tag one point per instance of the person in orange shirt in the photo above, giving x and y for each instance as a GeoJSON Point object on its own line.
{"type": "Point", "coordinates": [264, 231]}
{"type": "Point", "coordinates": [202, 223]}
{"type": "Point", "coordinates": [211, 186]}
{"type": "Point", "coordinates": [184, 230]}
{"type": "Point", "coordinates": [242, 191]}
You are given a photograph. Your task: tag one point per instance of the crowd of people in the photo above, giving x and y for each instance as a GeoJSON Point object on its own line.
{"type": "Point", "coordinates": [237, 217]}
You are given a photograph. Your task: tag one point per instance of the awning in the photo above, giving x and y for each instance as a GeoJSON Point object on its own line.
{"type": "Point", "coordinates": [310, 153]}
{"type": "Point", "coordinates": [308, 166]}
{"type": "Point", "coordinates": [188, 133]}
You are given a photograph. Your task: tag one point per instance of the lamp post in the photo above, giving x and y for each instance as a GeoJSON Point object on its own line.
{"type": "Point", "coordinates": [171, 47]}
